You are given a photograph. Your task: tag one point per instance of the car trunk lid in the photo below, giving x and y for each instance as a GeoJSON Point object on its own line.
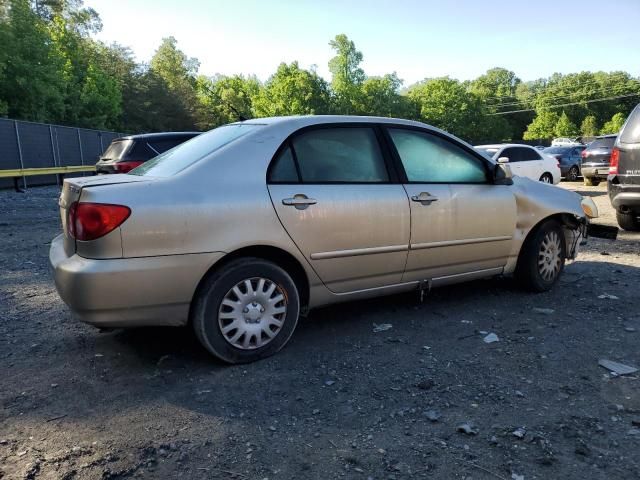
{"type": "Point", "coordinates": [71, 192]}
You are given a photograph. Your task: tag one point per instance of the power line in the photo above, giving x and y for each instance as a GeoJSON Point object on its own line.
{"type": "Point", "coordinates": [549, 87]}
{"type": "Point", "coordinates": [598, 90]}
{"type": "Point", "coordinates": [564, 104]}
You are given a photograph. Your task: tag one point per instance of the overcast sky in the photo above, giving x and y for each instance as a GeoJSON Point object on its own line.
{"type": "Point", "coordinates": [417, 39]}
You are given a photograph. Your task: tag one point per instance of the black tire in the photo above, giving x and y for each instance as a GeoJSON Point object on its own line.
{"type": "Point", "coordinates": [212, 292]}
{"type": "Point", "coordinates": [546, 178]}
{"type": "Point", "coordinates": [528, 270]}
{"type": "Point", "coordinates": [591, 181]}
{"type": "Point", "coordinates": [628, 221]}
{"type": "Point", "coordinates": [572, 174]}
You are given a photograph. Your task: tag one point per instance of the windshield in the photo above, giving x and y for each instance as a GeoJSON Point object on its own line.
{"type": "Point", "coordinates": [177, 159]}
{"type": "Point", "coordinates": [116, 150]}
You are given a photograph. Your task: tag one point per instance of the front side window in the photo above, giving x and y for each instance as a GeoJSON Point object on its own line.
{"type": "Point", "coordinates": [528, 154]}
{"type": "Point", "coordinates": [339, 155]}
{"type": "Point", "coordinates": [428, 158]}
{"type": "Point", "coordinates": [511, 153]}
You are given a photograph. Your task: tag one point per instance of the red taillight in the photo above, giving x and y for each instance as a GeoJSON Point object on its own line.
{"type": "Point", "coordinates": [124, 167]}
{"type": "Point", "coordinates": [558, 159]}
{"type": "Point", "coordinates": [613, 163]}
{"type": "Point", "coordinates": [88, 221]}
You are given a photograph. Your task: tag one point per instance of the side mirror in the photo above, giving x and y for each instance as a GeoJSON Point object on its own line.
{"type": "Point", "coordinates": [502, 174]}
{"type": "Point", "coordinates": [503, 160]}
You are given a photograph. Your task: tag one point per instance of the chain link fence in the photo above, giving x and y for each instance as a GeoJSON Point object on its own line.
{"type": "Point", "coordinates": [38, 145]}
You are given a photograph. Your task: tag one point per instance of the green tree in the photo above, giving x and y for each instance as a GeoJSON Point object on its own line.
{"type": "Point", "coordinates": [347, 76]}
{"type": "Point", "coordinates": [446, 103]}
{"type": "Point", "coordinates": [543, 126]}
{"type": "Point", "coordinates": [614, 125]}
{"type": "Point", "coordinates": [380, 96]}
{"type": "Point", "coordinates": [31, 80]}
{"type": "Point", "coordinates": [100, 100]}
{"type": "Point", "coordinates": [179, 74]}
{"type": "Point", "coordinates": [225, 99]}
{"type": "Point", "coordinates": [292, 91]}
{"type": "Point", "coordinates": [589, 126]}
{"type": "Point", "coordinates": [565, 127]}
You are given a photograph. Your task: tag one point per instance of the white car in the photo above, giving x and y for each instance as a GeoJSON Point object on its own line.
{"type": "Point", "coordinates": [564, 142]}
{"type": "Point", "coordinates": [525, 161]}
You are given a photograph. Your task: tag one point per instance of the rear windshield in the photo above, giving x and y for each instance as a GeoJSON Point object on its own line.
{"type": "Point", "coordinates": [556, 149]}
{"type": "Point", "coordinates": [631, 131]}
{"type": "Point", "coordinates": [116, 150]}
{"type": "Point", "coordinates": [606, 142]}
{"type": "Point", "coordinates": [177, 159]}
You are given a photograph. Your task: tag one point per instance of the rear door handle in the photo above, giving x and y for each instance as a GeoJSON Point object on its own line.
{"type": "Point", "coordinates": [425, 198]}
{"type": "Point", "coordinates": [299, 201]}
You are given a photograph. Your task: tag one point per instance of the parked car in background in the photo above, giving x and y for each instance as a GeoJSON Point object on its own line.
{"type": "Point", "coordinates": [623, 182]}
{"type": "Point", "coordinates": [525, 161]}
{"type": "Point", "coordinates": [564, 142]}
{"type": "Point", "coordinates": [127, 153]}
{"type": "Point", "coordinates": [241, 229]}
{"type": "Point", "coordinates": [595, 160]}
{"type": "Point", "coordinates": [570, 160]}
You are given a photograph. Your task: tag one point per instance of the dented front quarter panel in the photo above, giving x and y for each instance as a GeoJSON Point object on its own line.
{"type": "Point", "coordinates": [536, 201]}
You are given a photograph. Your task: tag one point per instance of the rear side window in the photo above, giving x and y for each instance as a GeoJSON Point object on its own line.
{"type": "Point", "coordinates": [339, 155]}
{"type": "Point", "coordinates": [140, 151]}
{"type": "Point", "coordinates": [163, 145]}
{"type": "Point", "coordinates": [177, 159]}
{"type": "Point", "coordinates": [428, 158]}
{"type": "Point", "coordinates": [631, 131]}
{"type": "Point", "coordinates": [283, 169]}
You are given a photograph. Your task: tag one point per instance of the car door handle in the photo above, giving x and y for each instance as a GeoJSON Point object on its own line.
{"type": "Point", "coordinates": [299, 201]}
{"type": "Point", "coordinates": [425, 198]}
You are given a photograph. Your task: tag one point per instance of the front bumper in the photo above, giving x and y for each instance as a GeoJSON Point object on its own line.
{"type": "Point", "coordinates": [129, 292]}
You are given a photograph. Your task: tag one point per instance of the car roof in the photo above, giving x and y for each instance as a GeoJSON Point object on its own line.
{"type": "Point", "coordinates": [503, 145]}
{"type": "Point", "coordinates": [157, 135]}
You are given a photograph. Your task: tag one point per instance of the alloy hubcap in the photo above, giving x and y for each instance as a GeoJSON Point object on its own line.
{"type": "Point", "coordinates": [546, 179]}
{"type": "Point", "coordinates": [252, 313]}
{"type": "Point", "coordinates": [549, 256]}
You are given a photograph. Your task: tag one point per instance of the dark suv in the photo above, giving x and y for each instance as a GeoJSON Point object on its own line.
{"type": "Point", "coordinates": [595, 159]}
{"type": "Point", "coordinates": [126, 153]}
{"type": "Point", "coordinates": [623, 182]}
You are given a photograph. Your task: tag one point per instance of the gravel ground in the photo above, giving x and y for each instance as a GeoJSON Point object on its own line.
{"type": "Point", "coordinates": [427, 398]}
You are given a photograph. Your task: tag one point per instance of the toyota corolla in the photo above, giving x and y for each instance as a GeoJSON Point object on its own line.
{"type": "Point", "coordinates": [240, 230]}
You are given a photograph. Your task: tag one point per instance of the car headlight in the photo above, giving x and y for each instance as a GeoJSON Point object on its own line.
{"type": "Point", "coordinates": [589, 207]}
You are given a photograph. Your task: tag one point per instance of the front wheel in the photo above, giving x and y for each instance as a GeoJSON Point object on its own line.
{"type": "Point", "coordinates": [546, 178]}
{"type": "Point", "coordinates": [572, 174]}
{"type": "Point", "coordinates": [542, 257]}
{"type": "Point", "coordinates": [246, 311]}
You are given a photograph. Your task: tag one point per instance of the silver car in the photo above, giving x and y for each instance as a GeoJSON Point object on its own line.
{"type": "Point", "coordinates": [242, 229]}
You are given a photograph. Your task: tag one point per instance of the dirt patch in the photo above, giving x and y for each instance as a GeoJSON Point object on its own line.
{"type": "Point", "coordinates": [426, 398]}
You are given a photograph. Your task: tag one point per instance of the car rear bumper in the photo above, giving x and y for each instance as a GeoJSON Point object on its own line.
{"type": "Point", "coordinates": [129, 292]}
{"type": "Point", "coordinates": [624, 196]}
{"type": "Point", "coordinates": [595, 171]}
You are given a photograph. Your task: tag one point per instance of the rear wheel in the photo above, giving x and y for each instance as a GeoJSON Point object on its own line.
{"type": "Point", "coordinates": [628, 221]}
{"type": "Point", "coordinates": [572, 174]}
{"type": "Point", "coordinates": [542, 257]}
{"type": "Point", "coordinates": [246, 311]}
{"type": "Point", "coordinates": [591, 181]}
{"type": "Point", "coordinates": [546, 178]}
